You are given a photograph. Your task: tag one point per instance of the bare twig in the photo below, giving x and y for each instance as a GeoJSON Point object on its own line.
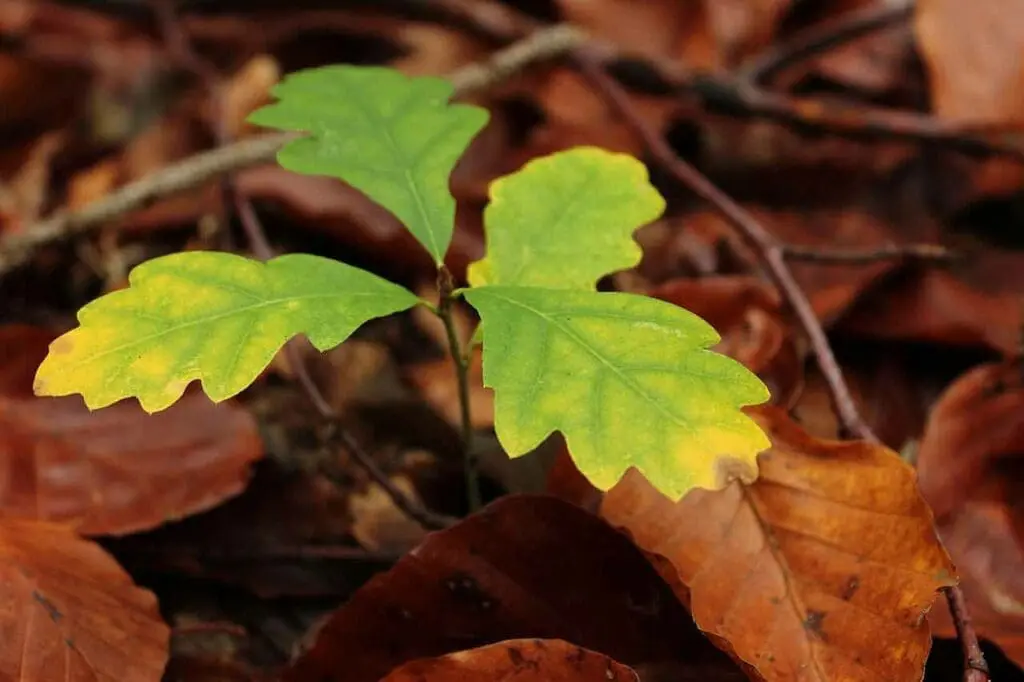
{"type": "Point", "coordinates": [15, 250]}
{"type": "Point", "coordinates": [820, 38]}
{"type": "Point", "coordinates": [850, 256]}
{"type": "Point", "coordinates": [975, 665]}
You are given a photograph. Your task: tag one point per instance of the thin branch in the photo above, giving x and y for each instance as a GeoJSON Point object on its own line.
{"type": "Point", "coordinates": [820, 38]}
{"type": "Point", "coordinates": [976, 667]}
{"type": "Point", "coordinates": [17, 249]}
{"type": "Point", "coordinates": [842, 256]}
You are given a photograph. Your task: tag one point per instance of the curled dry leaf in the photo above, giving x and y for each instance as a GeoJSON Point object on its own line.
{"type": "Point", "coordinates": [379, 525]}
{"type": "Point", "coordinates": [117, 470]}
{"type": "Point", "coordinates": [69, 612]}
{"type": "Point", "coordinates": [979, 418]}
{"type": "Point", "coordinates": [747, 312]}
{"type": "Point", "coordinates": [508, 572]}
{"type": "Point", "coordinates": [965, 48]}
{"type": "Point", "coordinates": [517, 660]}
{"type": "Point", "coordinates": [436, 382]}
{"type": "Point", "coordinates": [823, 569]}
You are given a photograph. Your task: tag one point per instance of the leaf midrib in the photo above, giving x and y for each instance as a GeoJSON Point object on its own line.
{"type": "Point", "coordinates": [626, 380]}
{"type": "Point", "coordinates": [214, 318]}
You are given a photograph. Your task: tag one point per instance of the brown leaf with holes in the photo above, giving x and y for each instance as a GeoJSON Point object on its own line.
{"type": "Point", "coordinates": [823, 569]}
{"type": "Point", "coordinates": [977, 420]}
{"type": "Point", "coordinates": [517, 660]}
{"type": "Point", "coordinates": [69, 612]}
{"type": "Point", "coordinates": [116, 470]}
{"type": "Point", "coordinates": [972, 54]}
{"type": "Point", "coordinates": [510, 572]}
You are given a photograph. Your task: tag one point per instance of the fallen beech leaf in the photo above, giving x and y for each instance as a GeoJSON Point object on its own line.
{"type": "Point", "coordinates": [69, 612]}
{"type": "Point", "coordinates": [972, 56]}
{"type": "Point", "coordinates": [247, 90]}
{"type": "Point", "coordinates": [117, 470]}
{"type": "Point", "coordinates": [507, 573]}
{"type": "Point", "coordinates": [979, 418]}
{"type": "Point", "coordinates": [516, 660]}
{"type": "Point", "coordinates": [823, 569]}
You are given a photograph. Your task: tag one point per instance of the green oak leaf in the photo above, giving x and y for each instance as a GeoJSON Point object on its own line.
{"type": "Point", "coordinates": [394, 138]}
{"type": "Point", "coordinates": [564, 221]}
{"type": "Point", "coordinates": [627, 379]}
{"type": "Point", "coordinates": [216, 317]}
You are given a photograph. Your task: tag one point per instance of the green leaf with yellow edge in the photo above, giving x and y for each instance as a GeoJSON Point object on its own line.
{"type": "Point", "coordinates": [566, 220]}
{"type": "Point", "coordinates": [394, 138]}
{"type": "Point", "coordinates": [628, 380]}
{"type": "Point", "coordinates": [216, 317]}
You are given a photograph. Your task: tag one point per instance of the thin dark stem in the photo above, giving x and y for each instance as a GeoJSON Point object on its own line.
{"type": "Point", "coordinates": [446, 288]}
{"type": "Point", "coordinates": [976, 667]}
{"type": "Point", "coordinates": [821, 38]}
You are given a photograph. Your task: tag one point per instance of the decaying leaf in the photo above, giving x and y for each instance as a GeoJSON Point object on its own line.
{"type": "Point", "coordinates": [979, 418]}
{"type": "Point", "coordinates": [69, 612]}
{"type": "Point", "coordinates": [510, 572]}
{"type": "Point", "coordinates": [823, 569]}
{"type": "Point", "coordinates": [517, 660]}
{"type": "Point", "coordinates": [117, 470]}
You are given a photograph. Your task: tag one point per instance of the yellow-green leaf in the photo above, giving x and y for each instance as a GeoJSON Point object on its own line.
{"type": "Point", "coordinates": [566, 220]}
{"type": "Point", "coordinates": [216, 317]}
{"type": "Point", "coordinates": [628, 380]}
{"type": "Point", "coordinates": [394, 138]}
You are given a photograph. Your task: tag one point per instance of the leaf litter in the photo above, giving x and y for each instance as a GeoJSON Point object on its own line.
{"type": "Point", "coordinates": [931, 348]}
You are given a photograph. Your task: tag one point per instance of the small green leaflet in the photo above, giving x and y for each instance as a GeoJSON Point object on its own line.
{"type": "Point", "coordinates": [564, 221]}
{"type": "Point", "coordinates": [394, 138]}
{"type": "Point", "coordinates": [628, 381]}
{"type": "Point", "coordinates": [216, 317]}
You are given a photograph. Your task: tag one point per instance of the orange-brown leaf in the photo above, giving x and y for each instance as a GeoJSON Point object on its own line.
{"type": "Point", "coordinates": [116, 470]}
{"type": "Point", "coordinates": [516, 660]}
{"type": "Point", "coordinates": [823, 569]}
{"type": "Point", "coordinates": [69, 612]}
{"type": "Point", "coordinates": [978, 418]}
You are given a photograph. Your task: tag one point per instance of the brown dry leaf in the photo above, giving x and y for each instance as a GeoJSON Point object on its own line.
{"type": "Point", "coordinates": [24, 196]}
{"type": "Point", "coordinates": [379, 525]}
{"type": "Point", "coordinates": [516, 660]}
{"type": "Point", "coordinates": [508, 573]}
{"type": "Point", "coordinates": [435, 50]}
{"type": "Point", "coordinates": [973, 55]}
{"type": "Point", "coordinates": [116, 470]}
{"type": "Point", "coordinates": [979, 418]}
{"type": "Point", "coordinates": [934, 306]}
{"type": "Point", "coordinates": [823, 569]}
{"type": "Point", "coordinates": [69, 612]}
{"type": "Point", "coordinates": [747, 312]}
